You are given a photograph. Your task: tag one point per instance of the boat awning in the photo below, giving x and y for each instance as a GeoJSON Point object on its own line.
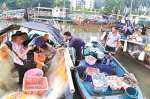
{"type": "Point", "coordinates": [48, 28]}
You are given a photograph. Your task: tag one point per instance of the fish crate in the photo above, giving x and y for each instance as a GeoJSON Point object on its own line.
{"type": "Point", "coordinates": [90, 71]}
{"type": "Point", "coordinates": [90, 60]}
{"type": "Point", "coordinates": [35, 85]}
{"type": "Point", "coordinates": [114, 82]}
{"type": "Point", "coordinates": [99, 82]}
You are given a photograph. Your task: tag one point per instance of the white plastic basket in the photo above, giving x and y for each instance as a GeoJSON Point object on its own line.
{"type": "Point", "coordinates": [114, 82]}
{"type": "Point", "coordinates": [90, 60]}
{"type": "Point", "coordinates": [99, 82]}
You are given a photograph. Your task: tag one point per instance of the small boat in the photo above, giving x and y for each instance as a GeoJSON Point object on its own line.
{"type": "Point", "coordinates": [55, 80]}
{"type": "Point", "coordinates": [92, 22]}
{"type": "Point", "coordinates": [88, 72]}
{"type": "Point", "coordinates": [136, 46]}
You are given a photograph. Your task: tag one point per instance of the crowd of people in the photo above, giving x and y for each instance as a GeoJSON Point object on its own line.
{"type": "Point", "coordinates": [40, 49]}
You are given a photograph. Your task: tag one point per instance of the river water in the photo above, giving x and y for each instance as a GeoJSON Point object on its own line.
{"type": "Point", "coordinates": [141, 73]}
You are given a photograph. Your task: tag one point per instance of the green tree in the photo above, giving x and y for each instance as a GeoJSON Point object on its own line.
{"type": "Point", "coordinates": [98, 4]}
{"type": "Point", "coordinates": [11, 3]}
{"type": "Point", "coordinates": [113, 5]}
{"type": "Point", "coordinates": [60, 3]}
{"type": "Point", "coordinates": [137, 3]}
{"type": "Point", "coordinates": [46, 3]}
{"type": "Point", "coordinates": [34, 3]}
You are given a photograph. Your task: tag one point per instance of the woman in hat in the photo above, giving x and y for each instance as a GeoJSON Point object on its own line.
{"type": "Point", "coordinates": [19, 49]}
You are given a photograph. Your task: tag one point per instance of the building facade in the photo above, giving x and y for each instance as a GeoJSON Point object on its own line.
{"type": "Point", "coordinates": [82, 3]}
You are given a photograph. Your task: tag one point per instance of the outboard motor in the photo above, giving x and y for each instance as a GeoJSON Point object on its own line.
{"type": "Point", "coordinates": [143, 30]}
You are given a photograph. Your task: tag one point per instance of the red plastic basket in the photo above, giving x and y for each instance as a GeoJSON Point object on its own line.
{"type": "Point", "coordinates": [90, 60]}
{"type": "Point", "coordinates": [91, 71]}
{"type": "Point", "coordinates": [35, 85]}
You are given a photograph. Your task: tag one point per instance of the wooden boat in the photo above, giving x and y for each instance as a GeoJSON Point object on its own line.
{"type": "Point", "coordinates": [58, 75]}
{"type": "Point", "coordinates": [135, 48]}
{"type": "Point", "coordinates": [92, 23]}
{"type": "Point", "coordinates": [135, 45]}
{"type": "Point", "coordinates": [87, 88]}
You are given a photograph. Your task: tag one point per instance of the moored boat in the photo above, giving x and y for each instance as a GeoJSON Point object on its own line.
{"type": "Point", "coordinates": [135, 46]}
{"type": "Point", "coordinates": [58, 75]}
{"type": "Point", "coordinates": [86, 79]}
{"type": "Point", "coordinates": [92, 23]}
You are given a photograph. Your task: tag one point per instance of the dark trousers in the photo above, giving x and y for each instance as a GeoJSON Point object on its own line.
{"type": "Point", "coordinates": [78, 53]}
{"type": "Point", "coordinates": [79, 56]}
{"type": "Point", "coordinates": [21, 71]}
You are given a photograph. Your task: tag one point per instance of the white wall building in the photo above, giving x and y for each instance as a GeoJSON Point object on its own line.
{"type": "Point", "coordinates": [86, 4]}
{"type": "Point", "coordinates": [89, 3]}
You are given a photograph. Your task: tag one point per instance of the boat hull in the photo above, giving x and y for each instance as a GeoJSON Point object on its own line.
{"type": "Point", "coordinates": [92, 24]}
{"type": "Point", "coordinates": [134, 47]}
{"type": "Point", "coordinates": [85, 92]}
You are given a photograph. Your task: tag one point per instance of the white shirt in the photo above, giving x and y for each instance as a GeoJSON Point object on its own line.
{"type": "Point", "coordinates": [113, 39]}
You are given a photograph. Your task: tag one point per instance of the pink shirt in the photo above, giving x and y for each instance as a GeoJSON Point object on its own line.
{"type": "Point", "coordinates": [125, 28]}
{"type": "Point", "coordinates": [16, 47]}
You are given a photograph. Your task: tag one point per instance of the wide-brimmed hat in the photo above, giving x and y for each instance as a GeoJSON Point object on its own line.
{"type": "Point", "coordinates": [19, 36]}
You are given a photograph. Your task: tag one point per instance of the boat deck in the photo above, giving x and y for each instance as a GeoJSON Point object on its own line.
{"type": "Point", "coordinates": [86, 87]}
{"type": "Point", "coordinates": [102, 67]}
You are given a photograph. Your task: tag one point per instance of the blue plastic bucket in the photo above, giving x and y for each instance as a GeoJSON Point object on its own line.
{"type": "Point", "coordinates": [145, 39]}
{"type": "Point", "coordinates": [131, 93]}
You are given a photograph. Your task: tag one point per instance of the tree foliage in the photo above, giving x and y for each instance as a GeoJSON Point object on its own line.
{"type": "Point", "coordinates": [98, 4]}
{"type": "Point", "coordinates": [137, 3]}
{"type": "Point", "coordinates": [109, 5]}
{"type": "Point", "coordinates": [112, 6]}
{"type": "Point", "coordinates": [120, 4]}
{"type": "Point", "coordinates": [34, 3]}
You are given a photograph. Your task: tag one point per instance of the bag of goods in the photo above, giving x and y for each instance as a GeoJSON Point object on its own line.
{"type": "Point", "coordinates": [90, 60]}
{"type": "Point", "coordinates": [147, 50]}
{"type": "Point", "coordinates": [114, 82]}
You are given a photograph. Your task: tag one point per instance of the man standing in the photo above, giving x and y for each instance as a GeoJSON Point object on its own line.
{"type": "Point", "coordinates": [77, 43]}
{"type": "Point", "coordinates": [112, 44]}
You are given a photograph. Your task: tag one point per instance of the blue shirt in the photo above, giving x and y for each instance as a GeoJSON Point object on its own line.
{"type": "Point", "coordinates": [38, 41]}
{"type": "Point", "coordinates": [76, 42]}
